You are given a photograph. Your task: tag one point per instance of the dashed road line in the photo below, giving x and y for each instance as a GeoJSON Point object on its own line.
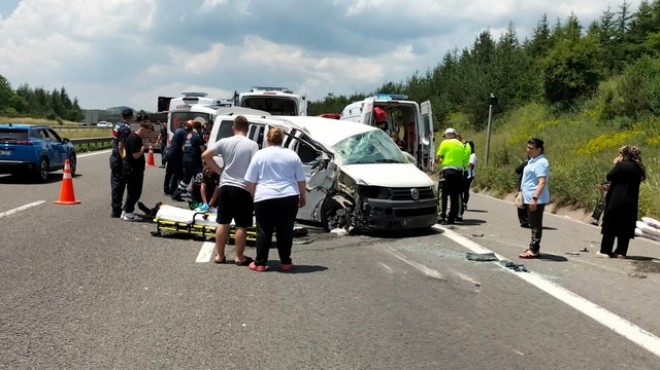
{"type": "Point", "coordinates": [206, 252]}
{"type": "Point", "coordinates": [21, 208]}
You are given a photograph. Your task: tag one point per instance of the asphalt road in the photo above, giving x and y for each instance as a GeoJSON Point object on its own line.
{"type": "Point", "coordinates": [83, 291]}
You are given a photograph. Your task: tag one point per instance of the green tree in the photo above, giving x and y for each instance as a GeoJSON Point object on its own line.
{"type": "Point", "coordinates": [639, 89]}
{"type": "Point", "coordinates": [572, 70]}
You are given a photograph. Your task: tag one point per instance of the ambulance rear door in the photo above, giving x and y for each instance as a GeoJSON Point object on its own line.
{"type": "Point", "coordinates": [367, 112]}
{"type": "Point", "coordinates": [425, 137]}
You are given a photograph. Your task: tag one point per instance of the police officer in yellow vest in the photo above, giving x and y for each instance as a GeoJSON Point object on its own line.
{"type": "Point", "coordinates": [451, 156]}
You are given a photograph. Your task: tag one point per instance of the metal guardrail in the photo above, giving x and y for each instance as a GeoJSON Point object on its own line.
{"type": "Point", "coordinates": [91, 141]}
{"type": "Point", "coordinates": [88, 142]}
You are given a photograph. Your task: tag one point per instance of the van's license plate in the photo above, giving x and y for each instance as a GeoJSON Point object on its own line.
{"type": "Point", "coordinates": [5, 152]}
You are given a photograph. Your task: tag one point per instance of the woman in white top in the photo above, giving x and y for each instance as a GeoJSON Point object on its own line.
{"type": "Point", "coordinates": [276, 180]}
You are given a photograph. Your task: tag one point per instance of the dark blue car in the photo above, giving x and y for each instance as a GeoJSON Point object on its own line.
{"type": "Point", "coordinates": [33, 150]}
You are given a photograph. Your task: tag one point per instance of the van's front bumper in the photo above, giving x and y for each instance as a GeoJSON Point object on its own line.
{"type": "Point", "coordinates": [386, 214]}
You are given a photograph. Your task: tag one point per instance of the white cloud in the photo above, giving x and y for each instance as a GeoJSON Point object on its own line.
{"type": "Point", "coordinates": [128, 52]}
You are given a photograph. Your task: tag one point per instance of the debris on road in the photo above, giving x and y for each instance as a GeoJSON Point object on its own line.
{"type": "Point", "coordinates": [518, 267]}
{"type": "Point", "coordinates": [481, 257]}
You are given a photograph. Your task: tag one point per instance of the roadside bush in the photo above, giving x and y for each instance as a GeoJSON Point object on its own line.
{"type": "Point", "coordinates": [580, 148]}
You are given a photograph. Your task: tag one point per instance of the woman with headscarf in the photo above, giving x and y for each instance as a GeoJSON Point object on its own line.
{"type": "Point", "coordinates": [621, 202]}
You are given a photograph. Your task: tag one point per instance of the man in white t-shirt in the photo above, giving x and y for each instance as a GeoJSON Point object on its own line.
{"type": "Point", "coordinates": [234, 201]}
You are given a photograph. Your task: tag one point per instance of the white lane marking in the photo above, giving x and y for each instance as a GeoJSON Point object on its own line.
{"type": "Point", "coordinates": [425, 270]}
{"type": "Point", "coordinates": [387, 268]}
{"type": "Point", "coordinates": [206, 252]}
{"type": "Point", "coordinates": [96, 152]}
{"type": "Point", "coordinates": [22, 208]}
{"type": "Point", "coordinates": [619, 325]}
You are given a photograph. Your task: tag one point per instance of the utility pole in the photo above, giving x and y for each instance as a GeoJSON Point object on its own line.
{"type": "Point", "coordinates": [492, 101]}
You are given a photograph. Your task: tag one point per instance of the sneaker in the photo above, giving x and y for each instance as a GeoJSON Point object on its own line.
{"type": "Point", "coordinates": [115, 215]}
{"type": "Point", "coordinates": [131, 217]}
{"type": "Point", "coordinates": [254, 267]}
{"type": "Point", "coordinates": [286, 266]}
{"type": "Point", "coordinates": [602, 255]}
{"type": "Point", "coordinates": [442, 221]}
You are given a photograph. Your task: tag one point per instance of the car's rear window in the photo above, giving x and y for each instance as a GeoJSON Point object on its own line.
{"type": "Point", "coordinates": [12, 134]}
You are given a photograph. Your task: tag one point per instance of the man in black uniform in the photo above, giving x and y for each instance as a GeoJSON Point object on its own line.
{"type": "Point", "coordinates": [192, 157]}
{"type": "Point", "coordinates": [120, 132]}
{"type": "Point", "coordinates": [133, 168]}
{"type": "Point", "coordinates": [162, 140]}
{"type": "Point", "coordinates": [174, 165]}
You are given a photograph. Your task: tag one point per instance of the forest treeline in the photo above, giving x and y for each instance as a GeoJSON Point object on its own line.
{"type": "Point", "coordinates": [38, 103]}
{"type": "Point", "coordinates": [563, 65]}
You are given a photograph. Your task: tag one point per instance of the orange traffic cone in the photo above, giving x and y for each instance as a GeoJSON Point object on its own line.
{"type": "Point", "coordinates": [66, 192]}
{"type": "Point", "coordinates": [150, 157]}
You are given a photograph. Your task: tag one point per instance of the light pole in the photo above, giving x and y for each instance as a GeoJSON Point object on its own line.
{"type": "Point", "coordinates": [492, 101]}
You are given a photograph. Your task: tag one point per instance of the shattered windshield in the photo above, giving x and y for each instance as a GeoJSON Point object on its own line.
{"type": "Point", "coordinates": [369, 147]}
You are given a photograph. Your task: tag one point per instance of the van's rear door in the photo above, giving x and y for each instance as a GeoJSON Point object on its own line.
{"type": "Point", "coordinates": [425, 137]}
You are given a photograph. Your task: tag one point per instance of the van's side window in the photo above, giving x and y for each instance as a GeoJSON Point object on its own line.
{"type": "Point", "coordinates": [225, 130]}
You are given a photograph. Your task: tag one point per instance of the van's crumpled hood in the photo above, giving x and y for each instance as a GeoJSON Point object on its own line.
{"type": "Point", "coordinates": [396, 175]}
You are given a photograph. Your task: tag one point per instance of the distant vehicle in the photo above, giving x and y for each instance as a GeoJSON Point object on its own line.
{"type": "Point", "coordinates": [278, 101]}
{"type": "Point", "coordinates": [413, 122]}
{"type": "Point", "coordinates": [198, 107]}
{"type": "Point", "coordinates": [104, 124]}
{"type": "Point", "coordinates": [34, 151]}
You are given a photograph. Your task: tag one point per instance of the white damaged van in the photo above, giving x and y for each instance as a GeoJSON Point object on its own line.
{"type": "Point", "coordinates": [356, 176]}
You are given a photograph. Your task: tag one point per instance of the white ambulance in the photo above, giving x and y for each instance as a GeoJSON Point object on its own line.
{"type": "Point", "coordinates": [278, 101]}
{"type": "Point", "coordinates": [196, 106]}
{"type": "Point", "coordinates": [413, 122]}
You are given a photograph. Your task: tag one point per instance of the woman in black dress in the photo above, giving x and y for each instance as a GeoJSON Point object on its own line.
{"type": "Point", "coordinates": [621, 202]}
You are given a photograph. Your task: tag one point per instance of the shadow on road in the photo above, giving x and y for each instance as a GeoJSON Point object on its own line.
{"type": "Point", "coordinates": [26, 180]}
{"type": "Point", "coordinates": [302, 269]}
{"type": "Point", "coordinates": [552, 258]}
{"type": "Point", "coordinates": [471, 222]}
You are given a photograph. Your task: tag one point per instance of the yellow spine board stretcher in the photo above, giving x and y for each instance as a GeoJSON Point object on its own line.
{"type": "Point", "coordinates": [171, 221]}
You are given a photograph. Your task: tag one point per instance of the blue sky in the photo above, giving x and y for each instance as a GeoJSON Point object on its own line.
{"type": "Point", "coordinates": [128, 52]}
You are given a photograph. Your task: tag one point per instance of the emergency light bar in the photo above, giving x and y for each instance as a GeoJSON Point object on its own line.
{"type": "Point", "coordinates": [386, 96]}
{"type": "Point", "coordinates": [270, 88]}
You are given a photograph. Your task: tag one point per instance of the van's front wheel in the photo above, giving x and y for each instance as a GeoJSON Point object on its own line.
{"type": "Point", "coordinates": [333, 213]}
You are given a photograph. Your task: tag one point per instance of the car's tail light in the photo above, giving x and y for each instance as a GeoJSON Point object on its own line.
{"type": "Point", "coordinates": [24, 142]}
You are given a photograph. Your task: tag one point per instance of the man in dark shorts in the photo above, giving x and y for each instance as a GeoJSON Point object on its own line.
{"type": "Point", "coordinates": [235, 201]}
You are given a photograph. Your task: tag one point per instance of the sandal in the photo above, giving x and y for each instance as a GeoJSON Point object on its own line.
{"type": "Point", "coordinates": [220, 261]}
{"type": "Point", "coordinates": [528, 254]}
{"type": "Point", "coordinates": [246, 262]}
